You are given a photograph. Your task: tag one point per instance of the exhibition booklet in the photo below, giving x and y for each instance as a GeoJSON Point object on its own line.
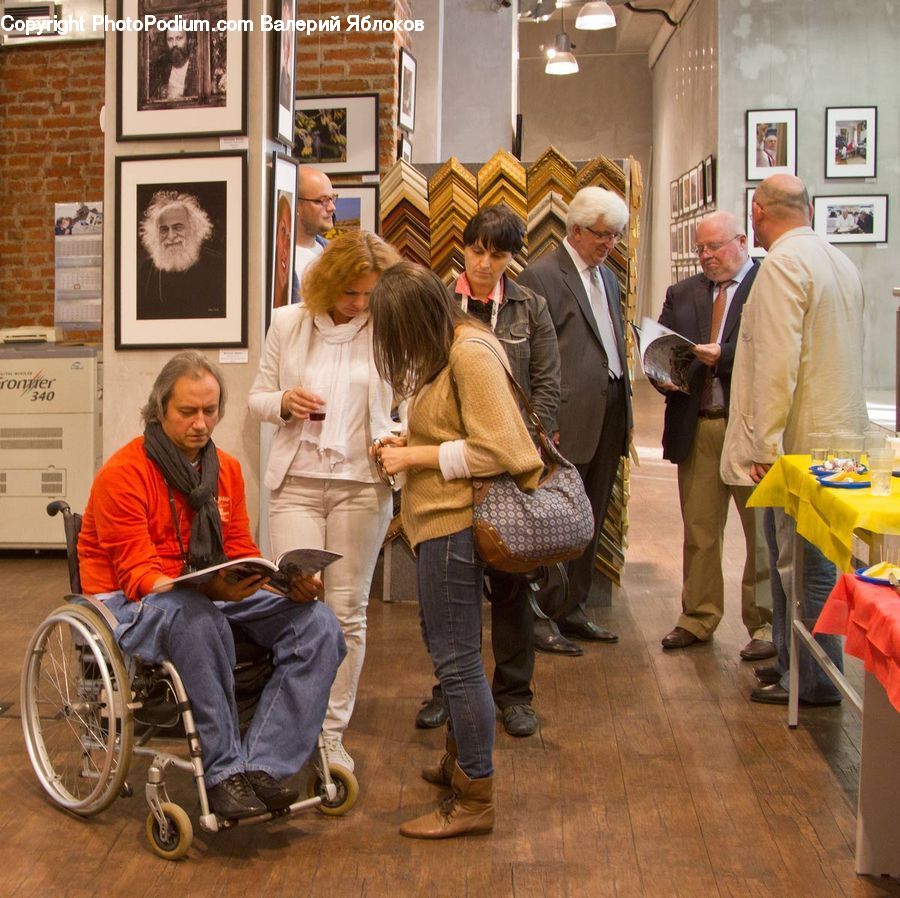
{"type": "Point", "coordinates": [280, 572]}
{"type": "Point", "coordinates": [664, 355]}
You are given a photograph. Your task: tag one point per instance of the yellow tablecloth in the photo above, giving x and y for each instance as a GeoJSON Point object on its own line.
{"type": "Point", "coordinates": [826, 517]}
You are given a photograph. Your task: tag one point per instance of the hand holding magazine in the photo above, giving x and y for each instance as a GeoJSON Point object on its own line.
{"type": "Point", "coordinates": [279, 572]}
{"type": "Point", "coordinates": [665, 356]}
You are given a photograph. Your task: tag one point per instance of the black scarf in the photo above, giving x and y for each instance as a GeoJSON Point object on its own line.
{"type": "Point", "coordinates": [206, 546]}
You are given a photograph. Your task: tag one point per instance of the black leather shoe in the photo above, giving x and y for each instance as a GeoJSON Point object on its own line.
{"type": "Point", "coordinates": [767, 675]}
{"type": "Point", "coordinates": [679, 638]}
{"type": "Point", "coordinates": [586, 629]}
{"type": "Point", "coordinates": [778, 695]}
{"type": "Point", "coordinates": [759, 650]}
{"type": "Point", "coordinates": [274, 795]}
{"type": "Point", "coordinates": [556, 644]}
{"type": "Point", "coordinates": [519, 720]}
{"type": "Point", "coordinates": [234, 798]}
{"type": "Point", "coordinates": [432, 714]}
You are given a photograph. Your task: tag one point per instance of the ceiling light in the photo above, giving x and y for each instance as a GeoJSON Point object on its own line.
{"type": "Point", "coordinates": [595, 17]}
{"type": "Point", "coordinates": [560, 60]}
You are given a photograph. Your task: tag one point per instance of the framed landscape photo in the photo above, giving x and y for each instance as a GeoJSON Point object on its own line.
{"type": "Point", "coordinates": [753, 247]}
{"type": "Point", "coordinates": [771, 143]}
{"type": "Point", "coordinates": [356, 209]}
{"type": "Point", "coordinates": [406, 106]}
{"type": "Point", "coordinates": [180, 275]}
{"type": "Point", "coordinates": [281, 232]}
{"type": "Point", "coordinates": [850, 141]}
{"type": "Point", "coordinates": [851, 219]}
{"type": "Point", "coordinates": [285, 56]}
{"type": "Point", "coordinates": [173, 82]}
{"type": "Point", "coordinates": [337, 133]}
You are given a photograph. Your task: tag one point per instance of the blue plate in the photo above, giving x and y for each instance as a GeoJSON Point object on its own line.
{"type": "Point", "coordinates": [819, 471]}
{"type": "Point", "coordinates": [878, 581]}
{"type": "Point", "coordinates": [845, 484]}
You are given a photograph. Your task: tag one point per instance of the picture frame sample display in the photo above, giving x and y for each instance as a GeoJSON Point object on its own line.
{"type": "Point", "coordinates": [851, 219]}
{"type": "Point", "coordinates": [753, 247]}
{"type": "Point", "coordinates": [850, 141]}
{"type": "Point", "coordinates": [337, 133]}
{"type": "Point", "coordinates": [406, 95]}
{"type": "Point", "coordinates": [283, 215]}
{"type": "Point", "coordinates": [181, 241]}
{"type": "Point", "coordinates": [771, 143]}
{"type": "Point", "coordinates": [174, 82]}
{"type": "Point", "coordinates": [357, 209]}
{"type": "Point", "coordinates": [285, 56]}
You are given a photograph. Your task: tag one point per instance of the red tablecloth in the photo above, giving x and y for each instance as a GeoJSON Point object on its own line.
{"type": "Point", "coordinates": [869, 616]}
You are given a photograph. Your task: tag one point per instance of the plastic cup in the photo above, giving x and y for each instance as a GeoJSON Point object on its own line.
{"type": "Point", "coordinates": [322, 391]}
{"type": "Point", "coordinates": [881, 465]}
{"type": "Point", "coordinates": [848, 446]}
{"type": "Point", "coordinates": [818, 447]}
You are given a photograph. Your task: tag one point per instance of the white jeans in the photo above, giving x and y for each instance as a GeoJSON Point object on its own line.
{"type": "Point", "coordinates": [351, 518]}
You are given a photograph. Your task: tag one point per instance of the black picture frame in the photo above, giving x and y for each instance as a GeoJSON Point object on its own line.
{"type": "Point", "coordinates": [754, 248]}
{"type": "Point", "coordinates": [337, 133]}
{"type": "Point", "coordinates": [192, 204]}
{"type": "Point", "coordinates": [851, 141]}
{"type": "Point", "coordinates": [406, 92]}
{"type": "Point", "coordinates": [709, 180]}
{"type": "Point", "coordinates": [282, 223]}
{"type": "Point", "coordinates": [852, 218]}
{"type": "Point", "coordinates": [213, 100]}
{"type": "Point", "coordinates": [357, 209]}
{"type": "Point", "coordinates": [285, 64]}
{"type": "Point", "coordinates": [778, 126]}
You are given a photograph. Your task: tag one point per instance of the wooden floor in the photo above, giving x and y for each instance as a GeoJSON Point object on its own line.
{"type": "Point", "coordinates": [652, 773]}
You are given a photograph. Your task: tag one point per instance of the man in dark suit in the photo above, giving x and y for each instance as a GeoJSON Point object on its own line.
{"type": "Point", "coordinates": [707, 309]}
{"type": "Point", "coordinates": [595, 392]}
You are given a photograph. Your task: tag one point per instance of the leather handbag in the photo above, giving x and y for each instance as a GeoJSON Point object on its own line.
{"type": "Point", "coordinates": [517, 531]}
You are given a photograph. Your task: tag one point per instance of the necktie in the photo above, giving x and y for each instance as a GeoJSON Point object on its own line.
{"type": "Point", "coordinates": [600, 308]}
{"type": "Point", "coordinates": [718, 312]}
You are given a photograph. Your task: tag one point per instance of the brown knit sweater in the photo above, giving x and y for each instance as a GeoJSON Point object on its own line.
{"type": "Point", "coordinates": [470, 399]}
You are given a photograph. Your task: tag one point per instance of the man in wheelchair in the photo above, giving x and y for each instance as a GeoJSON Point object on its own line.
{"type": "Point", "coordinates": [170, 501]}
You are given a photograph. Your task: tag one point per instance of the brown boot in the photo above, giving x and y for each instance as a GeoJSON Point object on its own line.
{"type": "Point", "coordinates": [441, 773]}
{"type": "Point", "coordinates": [467, 811]}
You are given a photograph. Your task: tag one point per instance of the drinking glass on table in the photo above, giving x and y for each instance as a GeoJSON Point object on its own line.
{"type": "Point", "coordinates": [848, 446]}
{"type": "Point", "coordinates": [818, 447]}
{"type": "Point", "coordinates": [881, 465]}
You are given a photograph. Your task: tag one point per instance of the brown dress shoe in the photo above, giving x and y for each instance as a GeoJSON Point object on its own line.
{"type": "Point", "coordinates": [441, 773]}
{"type": "Point", "coordinates": [679, 638]}
{"type": "Point", "coordinates": [758, 650]}
{"type": "Point", "coordinates": [467, 811]}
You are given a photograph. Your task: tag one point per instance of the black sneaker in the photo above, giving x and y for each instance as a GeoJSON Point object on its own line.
{"type": "Point", "coordinates": [235, 798]}
{"type": "Point", "coordinates": [273, 794]}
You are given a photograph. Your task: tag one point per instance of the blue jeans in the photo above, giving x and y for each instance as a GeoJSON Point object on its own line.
{"type": "Point", "coordinates": [819, 576]}
{"type": "Point", "coordinates": [450, 588]}
{"type": "Point", "coordinates": [186, 628]}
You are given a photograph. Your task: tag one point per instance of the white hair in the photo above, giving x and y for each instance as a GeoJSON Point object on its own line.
{"type": "Point", "coordinates": [592, 203]}
{"type": "Point", "coordinates": [177, 258]}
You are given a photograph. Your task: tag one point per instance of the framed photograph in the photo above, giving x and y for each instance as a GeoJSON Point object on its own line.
{"type": "Point", "coordinates": [692, 237]}
{"type": "Point", "coordinates": [404, 149]}
{"type": "Point", "coordinates": [685, 192]}
{"type": "Point", "coordinates": [281, 232]}
{"type": "Point", "coordinates": [850, 141]}
{"type": "Point", "coordinates": [851, 219]}
{"type": "Point", "coordinates": [709, 180]}
{"type": "Point", "coordinates": [771, 143]}
{"type": "Point", "coordinates": [285, 56]}
{"type": "Point", "coordinates": [684, 240]}
{"type": "Point", "coordinates": [406, 107]}
{"type": "Point", "coordinates": [694, 189]}
{"type": "Point", "coordinates": [753, 247]}
{"type": "Point", "coordinates": [674, 199]}
{"type": "Point", "coordinates": [337, 133]}
{"type": "Point", "coordinates": [175, 83]}
{"type": "Point", "coordinates": [673, 240]}
{"type": "Point", "coordinates": [674, 274]}
{"type": "Point", "coordinates": [356, 209]}
{"type": "Point", "coordinates": [181, 242]}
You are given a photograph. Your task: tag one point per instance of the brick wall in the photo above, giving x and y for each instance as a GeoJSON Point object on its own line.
{"type": "Point", "coordinates": [51, 152]}
{"type": "Point", "coordinates": [355, 62]}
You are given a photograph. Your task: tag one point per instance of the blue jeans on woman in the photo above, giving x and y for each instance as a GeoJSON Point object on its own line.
{"type": "Point", "coordinates": [185, 627]}
{"type": "Point", "coordinates": [450, 579]}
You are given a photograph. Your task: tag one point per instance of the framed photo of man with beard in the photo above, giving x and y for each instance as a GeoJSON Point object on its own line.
{"type": "Point", "coordinates": [184, 71]}
{"type": "Point", "coordinates": [181, 280]}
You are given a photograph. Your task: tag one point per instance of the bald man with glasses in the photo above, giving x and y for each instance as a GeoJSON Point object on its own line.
{"type": "Point", "coordinates": [707, 309]}
{"type": "Point", "coordinates": [315, 216]}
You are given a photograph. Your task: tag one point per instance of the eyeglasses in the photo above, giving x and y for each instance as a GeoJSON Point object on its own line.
{"type": "Point", "coordinates": [605, 236]}
{"type": "Point", "coordinates": [322, 201]}
{"type": "Point", "coordinates": [713, 248]}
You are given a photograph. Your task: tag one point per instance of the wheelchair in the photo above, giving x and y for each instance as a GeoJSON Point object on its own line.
{"type": "Point", "coordinates": [87, 709]}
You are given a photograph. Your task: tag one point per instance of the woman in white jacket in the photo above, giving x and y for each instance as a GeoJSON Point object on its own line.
{"type": "Point", "coordinates": [318, 384]}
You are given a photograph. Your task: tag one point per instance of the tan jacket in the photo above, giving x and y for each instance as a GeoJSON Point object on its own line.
{"type": "Point", "coordinates": [798, 368]}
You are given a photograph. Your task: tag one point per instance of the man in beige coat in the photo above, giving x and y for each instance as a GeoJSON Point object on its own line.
{"type": "Point", "coordinates": [798, 369]}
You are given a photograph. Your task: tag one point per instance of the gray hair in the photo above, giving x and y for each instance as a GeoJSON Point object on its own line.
{"type": "Point", "coordinates": [591, 203]}
{"type": "Point", "coordinates": [186, 364]}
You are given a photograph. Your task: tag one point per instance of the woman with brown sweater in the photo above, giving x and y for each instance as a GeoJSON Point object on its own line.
{"type": "Point", "coordinates": [463, 422]}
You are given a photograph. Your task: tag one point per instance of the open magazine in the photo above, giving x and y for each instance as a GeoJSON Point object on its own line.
{"type": "Point", "coordinates": [664, 355]}
{"type": "Point", "coordinates": [280, 571]}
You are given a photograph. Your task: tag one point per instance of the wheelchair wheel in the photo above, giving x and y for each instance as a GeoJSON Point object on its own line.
{"type": "Point", "coordinates": [74, 697]}
{"type": "Point", "coordinates": [179, 837]}
{"type": "Point", "coordinates": [347, 791]}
